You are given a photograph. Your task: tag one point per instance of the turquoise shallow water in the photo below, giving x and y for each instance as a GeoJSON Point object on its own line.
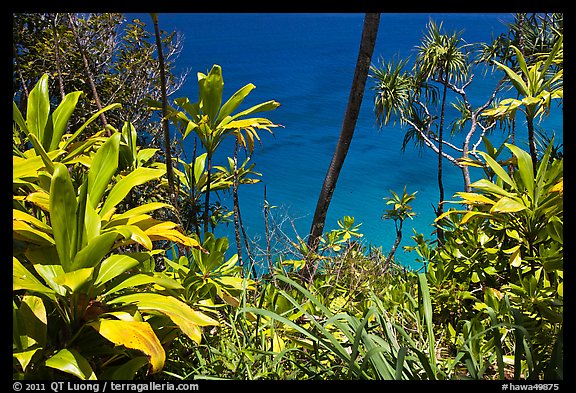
{"type": "Point", "coordinates": [306, 62]}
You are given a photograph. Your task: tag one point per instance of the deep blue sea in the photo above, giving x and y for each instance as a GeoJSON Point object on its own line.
{"type": "Point", "coordinates": [306, 62]}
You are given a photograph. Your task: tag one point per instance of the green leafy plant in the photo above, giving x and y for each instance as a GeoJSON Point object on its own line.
{"type": "Point", "coordinates": [75, 292]}
{"type": "Point", "coordinates": [510, 241]}
{"type": "Point", "coordinates": [213, 121]}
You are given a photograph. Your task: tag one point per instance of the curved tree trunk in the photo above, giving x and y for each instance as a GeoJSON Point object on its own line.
{"type": "Point", "coordinates": [367, 43]}
{"type": "Point", "coordinates": [440, 208]}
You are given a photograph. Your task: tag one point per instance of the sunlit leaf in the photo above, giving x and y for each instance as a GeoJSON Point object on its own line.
{"type": "Point", "coordinates": [71, 362]}
{"type": "Point", "coordinates": [63, 213]}
{"type": "Point", "coordinates": [133, 335]}
{"type": "Point", "coordinates": [507, 205]}
{"type": "Point", "coordinates": [22, 278]}
{"type": "Point", "coordinates": [187, 319]}
{"type": "Point", "coordinates": [75, 279]}
{"type": "Point", "coordinates": [135, 178]}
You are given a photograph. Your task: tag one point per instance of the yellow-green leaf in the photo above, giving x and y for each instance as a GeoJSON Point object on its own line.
{"type": "Point", "coordinates": [24, 279]}
{"type": "Point", "coordinates": [71, 362]}
{"type": "Point", "coordinates": [516, 258]}
{"type": "Point", "coordinates": [474, 198]}
{"type": "Point", "coordinates": [187, 319]}
{"type": "Point", "coordinates": [133, 335]}
{"type": "Point", "coordinates": [75, 279]}
{"type": "Point", "coordinates": [507, 205]}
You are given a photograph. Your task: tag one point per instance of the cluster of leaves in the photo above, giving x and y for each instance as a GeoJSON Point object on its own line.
{"type": "Point", "coordinates": [504, 256]}
{"type": "Point", "coordinates": [82, 305]}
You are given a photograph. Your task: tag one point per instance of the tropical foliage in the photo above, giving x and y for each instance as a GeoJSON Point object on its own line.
{"type": "Point", "coordinates": [113, 280]}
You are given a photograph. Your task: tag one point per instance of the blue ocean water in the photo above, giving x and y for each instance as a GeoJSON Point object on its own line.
{"type": "Point", "coordinates": [306, 62]}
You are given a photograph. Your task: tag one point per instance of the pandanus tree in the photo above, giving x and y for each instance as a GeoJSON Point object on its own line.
{"type": "Point", "coordinates": [537, 85]}
{"type": "Point", "coordinates": [441, 58]}
{"type": "Point", "coordinates": [213, 121]}
{"type": "Point", "coordinates": [409, 96]}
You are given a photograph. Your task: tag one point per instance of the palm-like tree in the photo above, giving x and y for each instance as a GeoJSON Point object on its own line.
{"type": "Point", "coordinates": [441, 58]}
{"type": "Point", "coordinates": [536, 87]}
{"type": "Point", "coordinates": [400, 211]}
{"type": "Point", "coordinates": [213, 122]}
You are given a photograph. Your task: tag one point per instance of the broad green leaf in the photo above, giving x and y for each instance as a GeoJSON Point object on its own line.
{"type": "Point", "coordinates": [19, 119]}
{"type": "Point", "coordinates": [498, 170]}
{"type": "Point", "coordinates": [525, 168]}
{"type": "Point", "coordinates": [130, 136]}
{"type": "Point", "coordinates": [427, 306]}
{"type": "Point", "coordinates": [71, 362]}
{"type": "Point", "coordinates": [135, 178]}
{"type": "Point", "coordinates": [234, 101]}
{"type": "Point", "coordinates": [516, 80]}
{"type": "Point", "coordinates": [104, 165]}
{"type": "Point", "coordinates": [22, 278]}
{"type": "Point", "coordinates": [94, 251]}
{"type": "Point", "coordinates": [144, 155]}
{"type": "Point", "coordinates": [25, 357]}
{"type": "Point", "coordinates": [29, 167]}
{"type": "Point", "coordinates": [22, 231]}
{"type": "Point", "coordinates": [39, 149]}
{"type": "Point", "coordinates": [41, 199]}
{"type": "Point", "coordinates": [33, 321]}
{"type": "Point", "coordinates": [136, 211]}
{"type": "Point", "coordinates": [488, 186]}
{"type": "Point", "coordinates": [92, 223]}
{"type": "Point", "coordinates": [75, 279]}
{"type": "Point", "coordinates": [507, 205]}
{"type": "Point", "coordinates": [132, 233]}
{"type": "Point", "coordinates": [46, 262]}
{"type": "Point", "coordinates": [63, 214]}
{"type": "Point", "coordinates": [61, 116]}
{"type": "Point", "coordinates": [113, 266]}
{"type": "Point", "coordinates": [38, 109]}
{"type": "Point", "coordinates": [555, 229]}
{"type": "Point", "coordinates": [210, 87]}
{"type": "Point", "coordinates": [472, 214]}
{"type": "Point", "coordinates": [187, 319]}
{"type": "Point", "coordinates": [80, 238]}
{"type": "Point", "coordinates": [262, 107]}
{"type": "Point", "coordinates": [144, 279]}
{"type": "Point", "coordinates": [199, 165]}
{"type": "Point", "coordinates": [516, 258]}
{"type": "Point", "coordinates": [165, 230]}
{"type": "Point", "coordinates": [133, 335]}
{"type": "Point", "coordinates": [88, 122]}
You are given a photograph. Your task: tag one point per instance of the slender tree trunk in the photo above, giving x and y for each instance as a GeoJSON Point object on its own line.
{"type": "Point", "coordinates": [165, 124]}
{"type": "Point", "coordinates": [89, 76]}
{"type": "Point", "coordinates": [237, 207]}
{"type": "Point", "coordinates": [367, 43]}
{"type": "Point", "coordinates": [394, 247]}
{"type": "Point", "coordinates": [57, 56]}
{"type": "Point", "coordinates": [440, 208]}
